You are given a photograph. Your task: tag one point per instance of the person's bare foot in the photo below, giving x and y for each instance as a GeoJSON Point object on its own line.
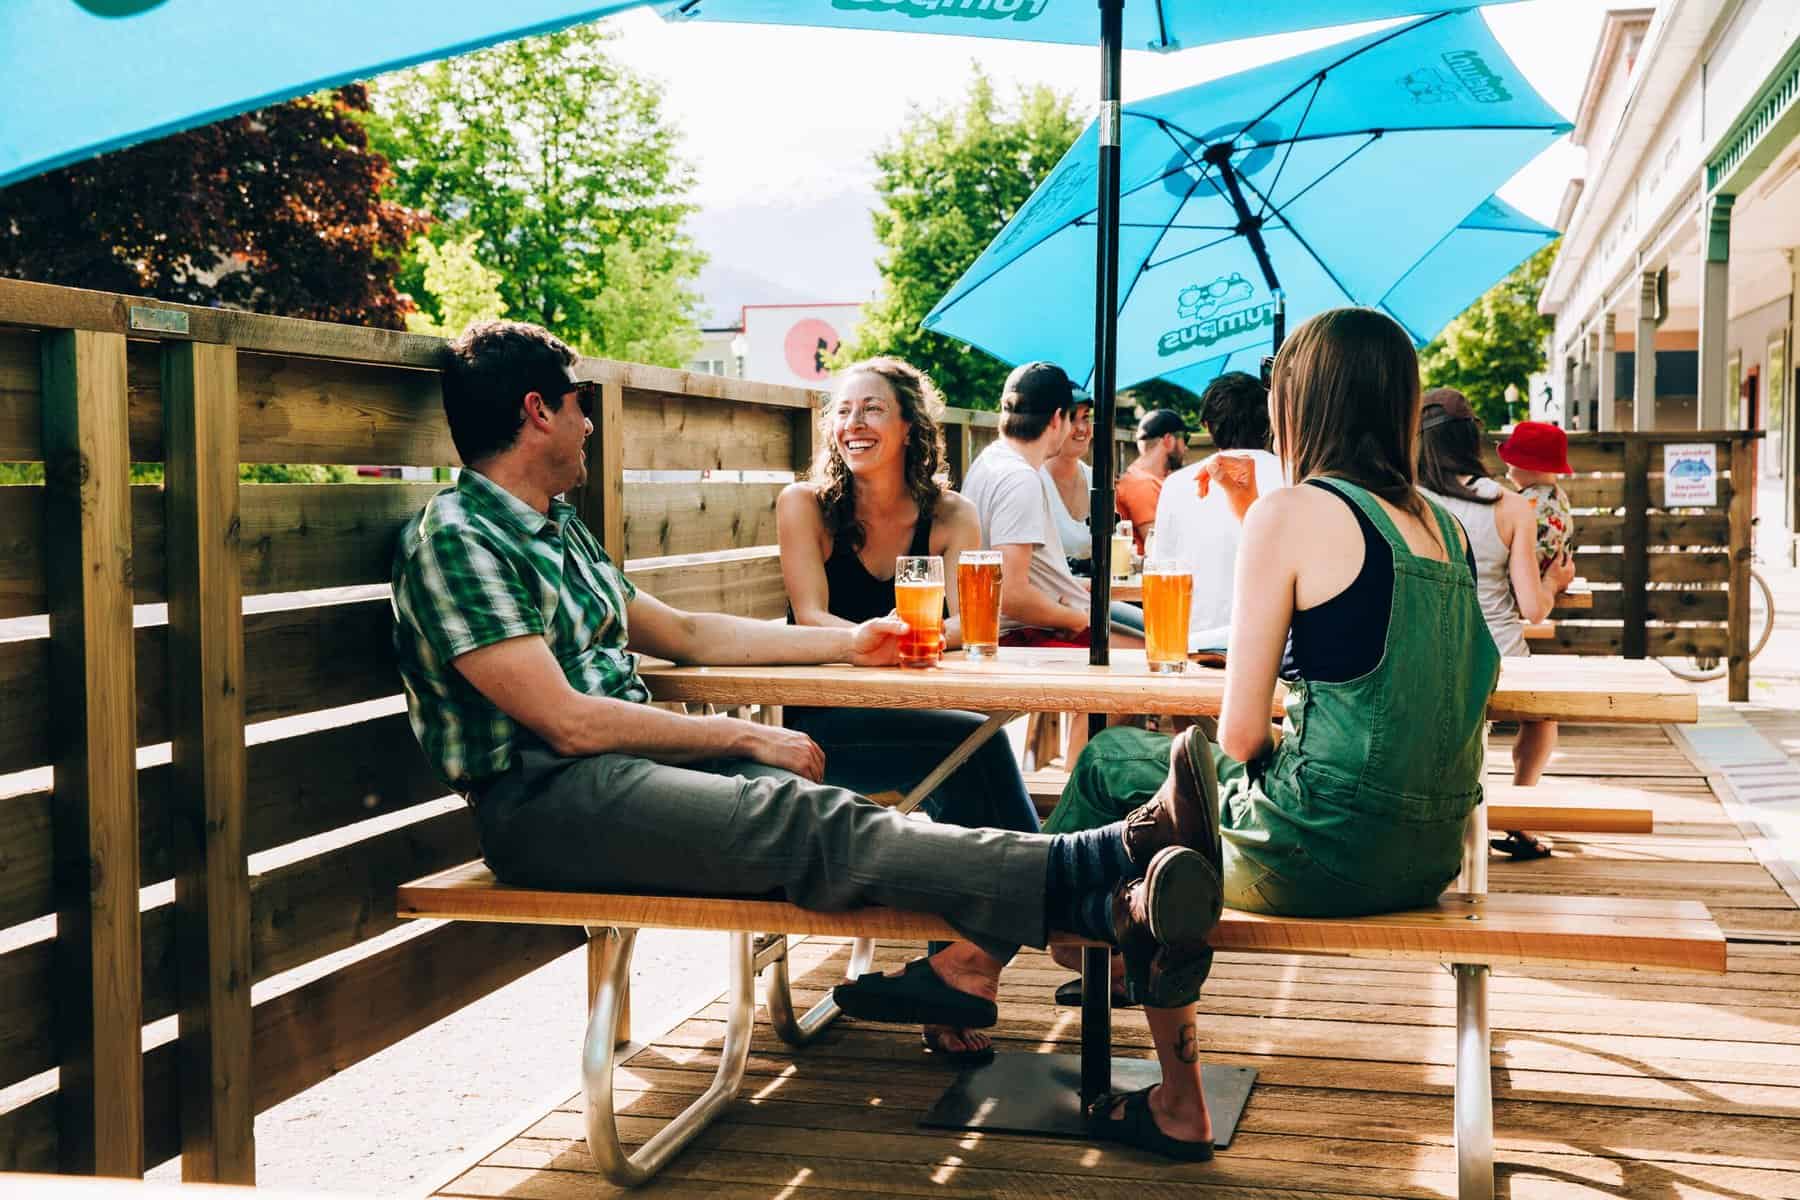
{"type": "Point", "coordinates": [950, 1040]}
{"type": "Point", "coordinates": [967, 969]}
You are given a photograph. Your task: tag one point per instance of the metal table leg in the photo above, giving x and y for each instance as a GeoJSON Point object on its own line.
{"type": "Point", "coordinates": [597, 1061]}
{"type": "Point", "coordinates": [1474, 1086]}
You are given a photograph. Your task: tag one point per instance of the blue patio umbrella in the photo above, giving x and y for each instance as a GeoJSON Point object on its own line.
{"type": "Point", "coordinates": [1161, 25]}
{"type": "Point", "coordinates": [81, 77]}
{"type": "Point", "coordinates": [1471, 258]}
{"type": "Point", "coordinates": [1336, 177]}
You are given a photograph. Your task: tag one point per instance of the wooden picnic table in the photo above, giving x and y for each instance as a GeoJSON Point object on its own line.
{"type": "Point", "coordinates": [1560, 688]}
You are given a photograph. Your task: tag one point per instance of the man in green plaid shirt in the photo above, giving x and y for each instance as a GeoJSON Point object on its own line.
{"type": "Point", "coordinates": [515, 636]}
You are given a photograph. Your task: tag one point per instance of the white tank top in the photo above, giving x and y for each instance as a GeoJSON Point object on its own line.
{"type": "Point", "coordinates": [1493, 575]}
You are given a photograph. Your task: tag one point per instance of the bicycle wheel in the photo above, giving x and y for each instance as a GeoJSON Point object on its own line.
{"type": "Point", "coordinates": [1699, 668]}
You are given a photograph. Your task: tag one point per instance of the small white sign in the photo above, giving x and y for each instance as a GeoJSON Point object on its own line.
{"type": "Point", "coordinates": [1690, 475]}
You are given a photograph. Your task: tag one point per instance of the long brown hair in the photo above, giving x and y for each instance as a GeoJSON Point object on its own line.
{"type": "Point", "coordinates": [1346, 388]}
{"type": "Point", "coordinates": [1450, 447]}
{"type": "Point", "coordinates": [920, 404]}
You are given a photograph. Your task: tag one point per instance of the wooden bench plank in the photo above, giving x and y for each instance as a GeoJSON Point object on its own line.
{"type": "Point", "coordinates": [1556, 807]}
{"type": "Point", "coordinates": [1498, 929]}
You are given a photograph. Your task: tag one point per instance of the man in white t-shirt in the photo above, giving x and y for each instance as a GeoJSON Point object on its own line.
{"type": "Point", "coordinates": [1041, 601]}
{"type": "Point", "coordinates": [1203, 534]}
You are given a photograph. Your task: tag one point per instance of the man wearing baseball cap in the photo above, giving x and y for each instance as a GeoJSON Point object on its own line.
{"type": "Point", "coordinates": [1162, 447]}
{"type": "Point", "coordinates": [1041, 601]}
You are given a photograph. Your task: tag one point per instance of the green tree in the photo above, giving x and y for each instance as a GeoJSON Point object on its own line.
{"type": "Point", "coordinates": [559, 164]}
{"type": "Point", "coordinates": [459, 288]}
{"type": "Point", "coordinates": [1497, 340]}
{"type": "Point", "coordinates": [948, 184]}
{"type": "Point", "coordinates": [277, 211]}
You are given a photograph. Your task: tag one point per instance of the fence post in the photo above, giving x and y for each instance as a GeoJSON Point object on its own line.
{"type": "Point", "coordinates": [93, 692]}
{"type": "Point", "coordinates": [806, 432]}
{"type": "Point", "coordinates": [208, 764]}
{"type": "Point", "coordinates": [1737, 632]}
{"type": "Point", "coordinates": [1634, 570]}
{"type": "Point", "coordinates": [601, 505]}
{"type": "Point", "coordinates": [956, 452]}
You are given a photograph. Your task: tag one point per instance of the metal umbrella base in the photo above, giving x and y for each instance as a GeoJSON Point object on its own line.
{"type": "Point", "coordinates": [1041, 1094]}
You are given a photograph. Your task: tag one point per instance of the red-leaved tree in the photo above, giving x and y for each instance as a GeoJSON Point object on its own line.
{"type": "Point", "coordinates": [276, 211]}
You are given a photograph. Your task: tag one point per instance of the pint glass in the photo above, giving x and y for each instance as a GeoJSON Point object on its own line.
{"type": "Point", "coordinates": [978, 602]}
{"type": "Point", "coordinates": [1168, 597]}
{"type": "Point", "coordinates": [919, 598]}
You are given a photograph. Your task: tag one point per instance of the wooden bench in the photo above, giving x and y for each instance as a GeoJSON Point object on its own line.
{"type": "Point", "coordinates": [1468, 933]}
{"type": "Point", "coordinates": [1557, 807]}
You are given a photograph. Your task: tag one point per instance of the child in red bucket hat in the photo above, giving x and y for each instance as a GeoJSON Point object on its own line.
{"type": "Point", "coordinates": [1535, 454]}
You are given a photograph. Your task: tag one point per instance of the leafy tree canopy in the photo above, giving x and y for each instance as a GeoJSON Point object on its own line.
{"type": "Point", "coordinates": [1497, 340]}
{"type": "Point", "coordinates": [553, 173]}
{"type": "Point", "coordinates": [276, 211]}
{"type": "Point", "coordinates": [948, 183]}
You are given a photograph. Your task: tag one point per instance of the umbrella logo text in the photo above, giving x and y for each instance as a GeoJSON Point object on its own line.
{"type": "Point", "coordinates": [1215, 311]}
{"type": "Point", "coordinates": [986, 10]}
{"type": "Point", "coordinates": [1476, 77]}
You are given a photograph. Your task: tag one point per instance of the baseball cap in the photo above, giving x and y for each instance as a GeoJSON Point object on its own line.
{"type": "Point", "coordinates": [1443, 405]}
{"type": "Point", "coordinates": [1037, 387]}
{"type": "Point", "coordinates": [1537, 446]}
{"type": "Point", "coordinates": [1157, 422]}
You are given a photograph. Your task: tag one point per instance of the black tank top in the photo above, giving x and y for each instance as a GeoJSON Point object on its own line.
{"type": "Point", "coordinates": [1343, 638]}
{"type": "Point", "coordinates": [853, 593]}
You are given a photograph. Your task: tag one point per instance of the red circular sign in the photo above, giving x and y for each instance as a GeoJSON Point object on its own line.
{"type": "Point", "coordinates": [807, 346]}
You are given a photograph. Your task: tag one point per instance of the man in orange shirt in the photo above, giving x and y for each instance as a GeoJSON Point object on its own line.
{"type": "Point", "coordinates": [1162, 446]}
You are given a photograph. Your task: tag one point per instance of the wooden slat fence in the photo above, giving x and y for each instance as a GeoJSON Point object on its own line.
{"type": "Point", "coordinates": [1668, 582]}
{"type": "Point", "coordinates": [136, 751]}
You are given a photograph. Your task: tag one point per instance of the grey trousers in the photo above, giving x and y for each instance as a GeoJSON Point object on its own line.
{"type": "Point", "coordinates": [614, 822]}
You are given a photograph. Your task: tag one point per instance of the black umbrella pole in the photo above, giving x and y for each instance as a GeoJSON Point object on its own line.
{"type": "Point", "coordinates": [1106, 331]}
{"type": "Point", "coordinates": [1096, 972]}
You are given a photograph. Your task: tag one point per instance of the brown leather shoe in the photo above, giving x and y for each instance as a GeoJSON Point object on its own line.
{"type": "Point", "coordinates": [1185, 810]}
{"type": "Point", "coordinates": [1160, 925]}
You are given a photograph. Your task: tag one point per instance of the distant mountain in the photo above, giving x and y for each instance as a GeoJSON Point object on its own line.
{"type": "Point", "coordinates": [815, 251]}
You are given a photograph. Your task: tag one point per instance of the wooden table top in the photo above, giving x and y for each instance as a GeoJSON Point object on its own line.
{"type": "Point", "coordinates": [1598, 691]}
{"type": "Point", "coordinates": [1131, 591]}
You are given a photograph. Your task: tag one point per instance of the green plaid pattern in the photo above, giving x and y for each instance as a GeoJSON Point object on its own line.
{"type": "Point", "coordinates": [478, 566]}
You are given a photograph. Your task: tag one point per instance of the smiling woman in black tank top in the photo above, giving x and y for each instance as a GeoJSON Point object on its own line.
{"type": "Point", "coordinates": [871, 496]}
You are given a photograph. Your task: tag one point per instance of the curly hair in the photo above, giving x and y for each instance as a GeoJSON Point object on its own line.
{"type": "Point", "coordinates": [920, 406]}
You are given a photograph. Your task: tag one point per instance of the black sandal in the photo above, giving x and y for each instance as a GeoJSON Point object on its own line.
{"type": "Point", "coordinates": [1136, 1126]}
{"type": "Point", "coordinates": [1069, 996]}
{"type": "Point", "coordinates": [916, 996]}
{"type": "Point", "coordinates": [961, 1059]}
{"type": "Point", "coordinates": [1521, 846]}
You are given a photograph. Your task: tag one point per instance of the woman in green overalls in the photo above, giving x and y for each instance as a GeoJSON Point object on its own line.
{"type": "Point", "coordinates": [1358, 594]}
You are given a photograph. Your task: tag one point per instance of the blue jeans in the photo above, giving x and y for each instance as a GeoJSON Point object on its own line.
{"type": "Point", "coordinates": [1129, 617]}
{"type": "Point", "coordinates": [893, 749]}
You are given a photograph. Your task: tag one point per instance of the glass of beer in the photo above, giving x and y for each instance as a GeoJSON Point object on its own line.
{"type": "Point", "coordinates": [1168, 597]}
{"type": "Point", "coordinates": [919, 597]}
{"type": "Point", "coordinates": [978, 602]}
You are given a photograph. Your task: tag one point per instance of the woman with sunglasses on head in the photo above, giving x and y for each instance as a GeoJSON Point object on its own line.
{"type": "Point", "coordinates": [1358, 593]}
{"type": "Point", "coordinates": [871, 496]}
{"type": "Point", "coordinates": [1502, 532]}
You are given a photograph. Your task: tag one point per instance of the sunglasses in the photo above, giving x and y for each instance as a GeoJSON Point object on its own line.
{"type": "Point", "coordinates": [1268, 370]}
{"type": "Point", "coordinates": [587, 393]}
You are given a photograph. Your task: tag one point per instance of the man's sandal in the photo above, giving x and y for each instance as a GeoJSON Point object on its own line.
{"type": "Point", "coordinates": [1136, 1126]}
{"type": "Point", "coordinates": [916, 996]}
{"type": "Point", "coordinates": [1069, 995]}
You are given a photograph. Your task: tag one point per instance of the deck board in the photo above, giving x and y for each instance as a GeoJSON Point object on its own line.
{"type": "Point", "coordinates": [1606, 1084]}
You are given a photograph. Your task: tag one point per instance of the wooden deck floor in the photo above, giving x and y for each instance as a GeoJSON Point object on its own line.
{"type": "Point", "coordinates": [1606, 1085]}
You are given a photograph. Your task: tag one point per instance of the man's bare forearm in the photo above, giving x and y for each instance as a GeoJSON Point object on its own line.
{"type": "Point", "coordinates": [1029, 604]}
{"type": "Point", "coordinates": [719, 639]}
{"type": "Point", "coordinates": [601, 725]}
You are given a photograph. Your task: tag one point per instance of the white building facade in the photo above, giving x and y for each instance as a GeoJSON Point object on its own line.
{"type": "Point", "coordinates": [1683, 235]}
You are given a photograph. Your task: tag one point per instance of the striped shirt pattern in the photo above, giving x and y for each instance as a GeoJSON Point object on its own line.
{"type": "Point", "coordinates": [478, 566]}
